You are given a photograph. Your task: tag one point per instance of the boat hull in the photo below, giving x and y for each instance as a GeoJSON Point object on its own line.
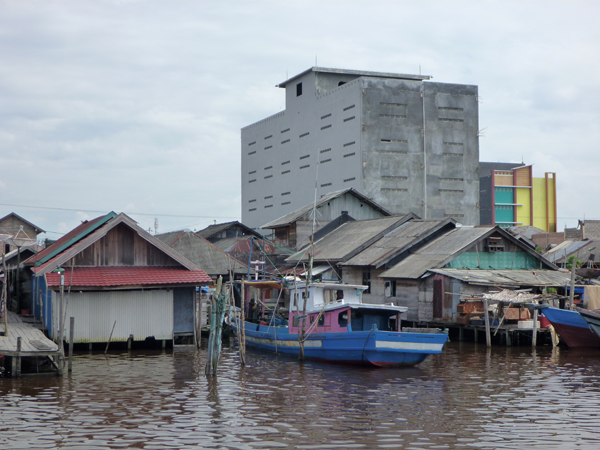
{"type": "Point", "coordinates": [572, 328]}
{"type": "Point", "coordinates": [373, 348]}
{"type": "Point", "coordinates": [592, 319]}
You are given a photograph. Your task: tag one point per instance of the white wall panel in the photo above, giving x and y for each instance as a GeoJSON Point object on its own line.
{"type": "Point", "coordinates": [140, 313]}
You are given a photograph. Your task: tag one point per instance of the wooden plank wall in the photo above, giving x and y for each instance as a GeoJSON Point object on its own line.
{"type": "Point", "coordinates": [123, 247]}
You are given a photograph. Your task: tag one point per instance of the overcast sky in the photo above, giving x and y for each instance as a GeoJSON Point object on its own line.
{"type": "Point", "coordinates": [136, 106]}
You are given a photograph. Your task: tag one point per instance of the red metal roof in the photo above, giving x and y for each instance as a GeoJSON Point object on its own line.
{"type": "Point", "coordinates": [128, 276]}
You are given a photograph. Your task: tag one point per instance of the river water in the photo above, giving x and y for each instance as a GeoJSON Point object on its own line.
{"type": "Point", "coordinates": [467, 397]}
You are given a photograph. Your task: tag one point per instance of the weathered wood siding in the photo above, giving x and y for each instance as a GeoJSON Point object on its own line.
{"type": "Point", "coordinates": [122, 246]}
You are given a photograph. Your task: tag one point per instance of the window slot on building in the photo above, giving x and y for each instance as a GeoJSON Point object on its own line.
{"type": "Point", "coordinates": [453, 143]}
{"type": "Point", "coordinates": [451, 179]}
{"type": "Point", "coordinates": [453, 154]}
{"type": "Point", "coordinates": [349, 154]}
{"type": "Point", "coordinates": [348, 144]}
{"type": "Point", "coordinates": [285, 142]}
{"type": "Point", "coordinates": [251, 143]}
{"type": "Point", "coordinates": [252, 201]}
{"type": "Point", "coordinates": [268, 206]}
{"type": "Point", "coordinates": [268, 176]}
{"type": "Point", "coordinates": [447, 108]}
{"type": "Point", "coordinates": [397, 116]}
{"type": "Point", "coordinates": [454, 215]}
{"type": "Point", "coordinates": [366, 280]}
{"type": "Point", "coordinates": [495, 244]}
{"type": "Point", "coordinates": [284, 163]}
{"type": "Point", "coordinates": [349, 107]}
{"type": "Point", "coordinates": [323, 161]}
{"type": "Point", "coordinates": [447, 119]}
{"type": "Point", "coordinates": [284, 172]}
{"type": "Point", "coordinates": [268, 137]}
{"type": "Point", "coordinates": [268, 147]}
{"type": "Point", "coordinates": [394, 189]}
{"type": "Point", "coordinates": [349, 179]}
{"type": "Point", "coordinates": [392, 104]}
{"type": "Point", "coordinates": [393, 152]}
{"type": "Point", "coordinates": [347, 119]}
{"type": "Point", "coordinates": [268, 196]}
{"type": "Point", "coordinates": [393, 177]}
{"type": "Point", "coordinates": [451, 190]}
{"type": "Point", "coordinates": [285, 131]}
{"type": "Point", "coordinates": [305, 156]}
{"type": "Point", "coordinates": [394, 141]}
{"type": "Point", "coordinates": [269, 167]}
{"type": "Point", "coordinates": [286, 193]}
{"type": "Point", "coordinates": [252, 209]}
{"type": "Point", "coordinates": [303, 135]}
{"type": "Point", "coordinates": [326, 150]}
{"type": "Point", "coordinates": [252, 181]}
{"type": "Point", "coordinates": [285, 203]}
{"type": "Point", "coordinates": [252, 153]}
{"type": "Point", "coordinates": [325, 116]}
{"type": "Point", "coordinates": [250, 173]}
{"type": "Point", "coordinates": [298, 89]}
{"type": "Point", "coordinates": [326, 184]}
{"type": "Point", "coordinates": [325, 127]}
{"type": "Point", "coordinates": [304, 167]}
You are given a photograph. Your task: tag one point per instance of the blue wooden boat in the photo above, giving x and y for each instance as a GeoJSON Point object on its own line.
{"type": "Point", "coordinates": [340, 328]}
{"type": "Point", "coordinates": [572, 327]}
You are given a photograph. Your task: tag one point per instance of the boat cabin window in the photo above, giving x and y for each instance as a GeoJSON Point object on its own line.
{"type": "Point", "coordinates": [321, 320]}
{"type": "Point", "coordinates": [343, 319]}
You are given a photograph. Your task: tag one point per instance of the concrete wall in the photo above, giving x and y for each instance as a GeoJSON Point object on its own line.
{"type": "Point", "coordinates": [366, 134]}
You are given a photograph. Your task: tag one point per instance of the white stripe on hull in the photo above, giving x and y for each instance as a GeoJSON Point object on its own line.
{"type": "Point", "coordinates": [426, 347]}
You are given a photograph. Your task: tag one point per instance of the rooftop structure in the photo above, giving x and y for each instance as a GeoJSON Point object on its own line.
{"type": "Point", "coordinates": [404, 142]}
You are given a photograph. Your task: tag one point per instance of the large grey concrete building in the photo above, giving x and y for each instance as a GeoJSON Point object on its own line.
{"type": "Point", "coordinates": [409, 144]}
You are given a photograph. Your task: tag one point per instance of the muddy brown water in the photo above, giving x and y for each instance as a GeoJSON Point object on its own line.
{"type": "Point", "coordinates": [468, 397]}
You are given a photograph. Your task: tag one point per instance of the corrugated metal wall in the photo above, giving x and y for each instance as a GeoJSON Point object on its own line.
{"type": "Point", "coordinates": [140, 313]}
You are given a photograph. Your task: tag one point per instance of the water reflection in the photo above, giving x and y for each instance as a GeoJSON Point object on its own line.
{"type": "Point", "coordinates": [468, 397]}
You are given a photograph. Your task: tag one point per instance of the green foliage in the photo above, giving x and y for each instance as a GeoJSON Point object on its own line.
{"type": "Point", "coordinates": [538, 249]}
{"type": "Point", "coordinates": [570, 260]}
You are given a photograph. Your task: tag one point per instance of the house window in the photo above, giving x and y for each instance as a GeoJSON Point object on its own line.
{"type": "Point", "coordinates": [298, 89]}
{"type": "Point", "coordinates": [366, 280]}
{"type": "Point", "coordinates": [390, 288]}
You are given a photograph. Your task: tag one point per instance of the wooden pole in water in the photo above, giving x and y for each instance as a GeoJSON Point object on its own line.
{"type": "Point", "coordinates": [534, 332]}
{"type": "Point", "coordinates": [488, 337]}
{"type": "Point", "coordinates": [71, 336]}
{"type": "Point", "coordinates": [110, 337]}
{"type": "Point", "coordinates": [242, 327]}
{"type": "Point", "coordinates": [18, 358]}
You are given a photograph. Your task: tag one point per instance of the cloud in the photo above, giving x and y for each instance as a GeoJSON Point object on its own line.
{"type": "Point", "coordinates": [137, 105]}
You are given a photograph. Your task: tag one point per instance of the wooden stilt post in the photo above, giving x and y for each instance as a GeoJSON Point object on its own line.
{"type": "Point", "coordinates": [109, 338]}
{"type": "Point", "coordinates": [71, 337]}
{"type": "Point", "coordinates": [17, 359]}
{"type": "Point", "coordinates": [535, 328]}
{"type": "Point", "coordinates": [461, 334]}
{"type": "Point", "coordinates": [508, 338]}
{"type": "Point", "coordinates": [242, 327]}
{"type": "Point", "coordinates": [488, 337]}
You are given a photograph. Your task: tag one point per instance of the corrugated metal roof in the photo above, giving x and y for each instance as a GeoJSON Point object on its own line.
{"type": "Point", "coordinates": [211, 230]}
{"type": "Point", "coordinates": [202, 253]}
{"type": "Point", "coordinates": [519, 277]}
{"type": "Point", "coordinates": [567, 248]}
{"type": "Point", "coordinates": [80, 277]}
{"type": "Point", "coordinates": [348, 239]}
{"type": "Point", "coordinates": [395, 242]}
{"type": "Point", "coordinates": [436, 252]}
{"type": "Point", "coordinates": [299, 213]}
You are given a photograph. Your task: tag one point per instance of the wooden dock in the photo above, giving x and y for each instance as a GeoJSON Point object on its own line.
{"type": "Point", "coordinates": [23, 340]}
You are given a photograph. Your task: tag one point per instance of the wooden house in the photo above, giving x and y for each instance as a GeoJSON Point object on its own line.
{"type": "Point", "coordinates": [118, 282]}
{"type": "Point", "coordinates": [432, 279]}
{"type": "Point", "coordinates": [295, 229]}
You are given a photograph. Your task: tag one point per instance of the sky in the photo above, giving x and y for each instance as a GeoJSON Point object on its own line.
{"type": "Point", "coordinates": [136, 106]}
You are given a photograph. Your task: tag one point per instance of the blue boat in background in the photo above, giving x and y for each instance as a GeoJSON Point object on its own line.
{"type": "Point", "coordinates": [340, 328]}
